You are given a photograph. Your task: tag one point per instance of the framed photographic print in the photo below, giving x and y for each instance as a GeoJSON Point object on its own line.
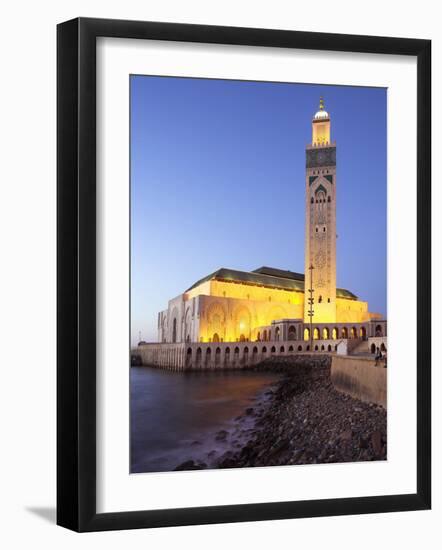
{"type": "Point", "coordinates": [243, 274]}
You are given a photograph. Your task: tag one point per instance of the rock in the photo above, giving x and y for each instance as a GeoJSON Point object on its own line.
{"type": "Point", "coordinates": [280, 445]}
{"type": "Point", "coordinates": [221, 435]}
{"type": "Point", "coordinates": [304, 421]}
{"type": "Point", "coordinates": [297, 454]}
{"type": "Point", "coordinates": [346, 436]}
{"type": "Point", "coordinates": [191, 465]}
{"type": "Point", "coordinates": [376, 442]}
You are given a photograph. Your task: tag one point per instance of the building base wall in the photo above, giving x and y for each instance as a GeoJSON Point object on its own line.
{"type": "Point", "coordinates": [222, 355]}
{"type": "Point", "coordinates": [361, 378]}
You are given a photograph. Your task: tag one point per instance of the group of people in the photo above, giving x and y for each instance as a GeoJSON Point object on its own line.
{"type": "Point", "coordinates": [381, 356]}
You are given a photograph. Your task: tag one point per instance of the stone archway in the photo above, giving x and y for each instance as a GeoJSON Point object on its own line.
{"type": "Point", "coordinates": [174, 327]}
{"type": "Point", "coordinates": [242, 323]}
{"type": "Point", "coordinates": [216, 322]}
{"type": "Point", "coordinates": [174, 330]}
{"type": "Point", "coordinates": [187, 325]}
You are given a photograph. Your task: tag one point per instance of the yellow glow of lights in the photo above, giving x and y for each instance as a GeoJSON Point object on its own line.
{"type": "Point", "coordinates": [321, 132]}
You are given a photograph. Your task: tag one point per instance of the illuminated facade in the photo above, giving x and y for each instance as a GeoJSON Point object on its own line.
{"type": "Point", "coordinates": [271, 304]}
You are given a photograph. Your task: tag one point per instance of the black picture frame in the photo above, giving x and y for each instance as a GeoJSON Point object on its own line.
{"type": "Point", "coordinates": [76, 273]}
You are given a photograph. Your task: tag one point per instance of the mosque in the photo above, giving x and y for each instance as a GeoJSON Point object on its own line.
{"type": "Point", "coordinates": [271, 304]}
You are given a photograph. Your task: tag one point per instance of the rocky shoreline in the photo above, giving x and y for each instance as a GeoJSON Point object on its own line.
{"type": "Point", "coordinates": [301, 419]}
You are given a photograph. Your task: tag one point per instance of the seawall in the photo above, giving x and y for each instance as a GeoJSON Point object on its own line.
{"type": "Point", "coordinates": [223, 355]}
{"type": "Point", "coordinates": [361, 378]}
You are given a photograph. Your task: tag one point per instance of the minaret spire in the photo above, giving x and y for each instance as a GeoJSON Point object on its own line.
{"type": "Point", "coordinates": [320, 227]}
{"type": "Point", "coordinates": [321, 126]}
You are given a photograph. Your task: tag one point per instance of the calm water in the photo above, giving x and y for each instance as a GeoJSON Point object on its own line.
{"type": "Point", "coordinates": [175, 416]}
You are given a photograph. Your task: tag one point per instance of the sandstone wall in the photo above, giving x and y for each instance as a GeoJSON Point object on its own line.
{"type": "Point", "coordinates": [360, 378]}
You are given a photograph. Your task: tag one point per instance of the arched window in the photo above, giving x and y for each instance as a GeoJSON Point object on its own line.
{"type": "Point", "coordinates": [292, 332]}
{"type": "Point", "coordinates": [354, 333]}
{"type": "Point", "coordinates": [316, 348]}
{"type": "Point", "coordinates": [306, 334]}
{"type": "Point", "coordinates": [363, 333]}
{"type": "Point", "coordinates": [198, 356]}
{"type": "Point", "coordinates": [378, 330]}
{"type": "Point", "coordinates": [291, 349]}
{"type": "Point", "coordinates": [373, 348]}
{"type": "Point", "coordinates": [174, 331]}
{"type": "Point", "coordinates": [273, 350]}
{"type": "Point", "coordinates": [217, 356]}
{"type": "Point", "coordinates": [282, 350]}
{"type": "Point", "coordinates": [325, 333]}
{"type": "Point", "coordinates": [329, 348]}
{"type": "Point", "coordinates": [334, 334]}
{"type": "Point", "coordinates": [277, 333]}
{"type": "Point", "coordinates": [316, 333]}
{"type": "Point", "coordinates": [299, 348]}
{"type": "Point", "coordinates": [215, 337]}
{"type": "Point", "coordinates": [344, 333]}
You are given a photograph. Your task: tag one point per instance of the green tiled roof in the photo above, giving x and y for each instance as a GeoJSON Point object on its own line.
{"type": "Point", "coordinates": [266, 276]}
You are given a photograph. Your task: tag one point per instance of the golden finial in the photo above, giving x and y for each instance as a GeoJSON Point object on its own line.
{"type": "Point", "coordinates": [321, 103]}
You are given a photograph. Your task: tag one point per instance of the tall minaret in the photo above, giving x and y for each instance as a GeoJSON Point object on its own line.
{"type": "Point", "coordinates": [320, 221]}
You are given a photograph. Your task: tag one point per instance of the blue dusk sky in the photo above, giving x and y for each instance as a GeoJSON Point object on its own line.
{"type": "Point", "coordinates": [218, 180]}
